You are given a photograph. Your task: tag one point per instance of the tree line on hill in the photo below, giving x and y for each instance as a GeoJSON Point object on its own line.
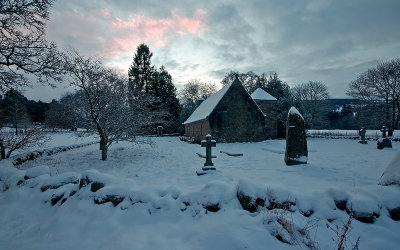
{"type": "Point", "coordinates": [119, 107]}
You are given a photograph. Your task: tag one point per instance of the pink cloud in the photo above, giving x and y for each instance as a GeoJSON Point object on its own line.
{"type": "Point", "coordinates": [159, 27]}
{"type": "Point", "coordinates": [105, 13]}
{"type": "Point", "coordinates": [98, 32]}
{"type": "Point", "coordinates": [157, 31]}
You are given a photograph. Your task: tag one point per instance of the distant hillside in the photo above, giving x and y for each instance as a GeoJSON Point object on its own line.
{"type": "Point", "coordinates": [341, 102]}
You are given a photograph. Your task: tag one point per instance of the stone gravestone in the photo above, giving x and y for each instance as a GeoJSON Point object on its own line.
{"type": "Point", "coordinates": [362, 133]}
{"type": "Point", "coordinates": [160, 131]}
{"type": "Point", "coordinates": [296, 140]}
{"type": "Point", "coordinates": [384, 142]}
{"type": "Point", "coordinates": [208, 165]}
{"type": "Point", "coordinates": [384, 130]}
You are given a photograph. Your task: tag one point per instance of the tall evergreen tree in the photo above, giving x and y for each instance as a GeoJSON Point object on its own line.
{"type": "Point", "coordinates": [165, 90]}
{"type": "Point", "coordinates": [141, 72]}
{"type": "Point", "coordinates": [276, 87]}
{"type": "Point", "coordinates": [145, 80]}
{"type": "Point", "coordinates": [14, 109]}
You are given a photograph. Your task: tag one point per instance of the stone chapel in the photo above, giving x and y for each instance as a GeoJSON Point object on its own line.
{"type": "Point", "coordinates": [232, 115]}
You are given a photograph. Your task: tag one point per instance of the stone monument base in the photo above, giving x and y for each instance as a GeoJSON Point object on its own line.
{"type": "Point", "coordinates": [204, 170]}
{"type": "Point", "coordinates": [291, 162]}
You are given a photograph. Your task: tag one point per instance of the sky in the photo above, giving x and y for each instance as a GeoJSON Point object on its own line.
{"type": "Point", "coordinates": [332, 41]}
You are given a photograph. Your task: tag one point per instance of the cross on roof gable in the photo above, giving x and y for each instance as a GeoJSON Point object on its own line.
{"type": "Point", "coordinates": [206, 107]}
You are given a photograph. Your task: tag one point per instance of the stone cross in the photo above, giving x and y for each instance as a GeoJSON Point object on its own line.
{"type": "Point", "coordinates": [362, 133]}
{"type": "Point", "coordinates": [208, 143]}
{"type": "Point", "coordinates": [384, 142]}
{"type": "Point", "coordinates": [384, 130]}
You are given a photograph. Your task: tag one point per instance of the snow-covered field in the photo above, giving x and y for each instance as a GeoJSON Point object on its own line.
{"type": "Point", "coordinates": [167, 206]}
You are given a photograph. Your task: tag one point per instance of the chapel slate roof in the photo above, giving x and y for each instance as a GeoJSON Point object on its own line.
{"type": "Point", "coordinates": [207, 106]}
{"type": "Point", "coordinates": [260, 94]}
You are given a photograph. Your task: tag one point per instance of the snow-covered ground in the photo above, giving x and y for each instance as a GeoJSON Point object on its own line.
{"type": "Point", "coordinates": [165, 203]}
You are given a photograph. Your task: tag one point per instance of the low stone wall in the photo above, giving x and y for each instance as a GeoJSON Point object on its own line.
{"type": "Point", "coordinates": [21, 158]}
{"type": "Point", "coordinates": [103, 188]}
{"type": "Point", "coordinates": [348, 137]}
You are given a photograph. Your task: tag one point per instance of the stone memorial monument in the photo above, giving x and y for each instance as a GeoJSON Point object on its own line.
{"type": "Point", "coordinates": [296, 140]}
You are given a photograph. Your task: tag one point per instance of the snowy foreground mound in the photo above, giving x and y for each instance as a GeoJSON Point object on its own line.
{"type": "Point", "coordinates": [391, 175]}
{"type": "Point", "coordinates": [166, 206]}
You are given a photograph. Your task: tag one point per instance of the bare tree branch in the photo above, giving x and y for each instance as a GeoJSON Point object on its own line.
{"type": "Point", "coordinates": [23, 47]}
{"type": "Point", "coordinates": [312, 99]}
{"type": "Point", "coordinates": [380, 86]}
{"type": "Point", "coordinates": [32, 136]}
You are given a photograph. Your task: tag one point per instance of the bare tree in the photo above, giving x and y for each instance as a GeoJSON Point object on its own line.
{"type": "Point", "coordinates": [193, 91]}
{"type": "Point", "coordinates": [23, 47]}
{"type": "Point", "coordinates": [104, 101]}
{"type": "Point", "coordinates": [196, 89]}
{"type": "Point", "coordinates": [250, 80]}
{"type": "Point", "coordinates": [380, 86]}
{"type": "Point", "coordinates": [9, 141]}
{"type": "Point", "coordinates": [14, 114]}
{"type": "Point", "coordinates": [311, 98]}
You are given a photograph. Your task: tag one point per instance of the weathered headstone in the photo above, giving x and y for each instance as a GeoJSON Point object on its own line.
{"type": "Point", "coordinates": [384, 142]}
{"type": "Point", "coordinates": [362, 133]}
{"type": "Point", "coordinates": [384, 130]}
{"type": "Point", "coordinates": [296, 140]}
{"type": "Point", "coordinates": [160, 131]}
{"type": "Point", "coordinates": [208, 165]}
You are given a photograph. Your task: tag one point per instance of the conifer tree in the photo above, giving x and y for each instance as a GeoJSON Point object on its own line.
{"type": "Point", "coordinates": [165, 90]}
{"type": "Point", "coordinates": [141, 72]}
{"type": "Point", "coordinates": [145, 80]}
